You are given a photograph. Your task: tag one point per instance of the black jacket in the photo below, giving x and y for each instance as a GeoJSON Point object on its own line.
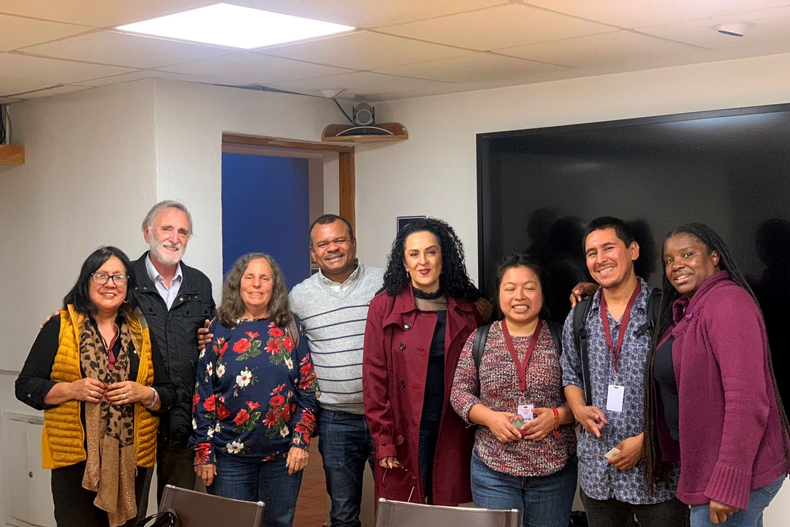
{"type": "Point", "coordinates": [176, 332]}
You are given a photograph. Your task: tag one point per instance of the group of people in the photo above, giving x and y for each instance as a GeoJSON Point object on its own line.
{"type": "Point", "coordinates": [674, 389]}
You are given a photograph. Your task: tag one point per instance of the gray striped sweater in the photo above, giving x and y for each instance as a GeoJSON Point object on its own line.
{"type": "Point", "coordinates": [334, 323]}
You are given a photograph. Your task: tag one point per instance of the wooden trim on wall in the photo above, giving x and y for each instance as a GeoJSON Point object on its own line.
{"type": "Point", "coordinates": [238, 139]}
{"type": "Point", "coordinates": [346, 172]}
{"type": "Point", "coordinates": [348, 190]}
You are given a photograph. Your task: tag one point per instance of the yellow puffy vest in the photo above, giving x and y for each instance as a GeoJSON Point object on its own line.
{"type": "Point", "coordinates": [63, 438]}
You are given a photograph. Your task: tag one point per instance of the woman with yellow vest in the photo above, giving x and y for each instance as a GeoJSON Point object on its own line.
{"type": "Point", "coordinates": [97, 373]}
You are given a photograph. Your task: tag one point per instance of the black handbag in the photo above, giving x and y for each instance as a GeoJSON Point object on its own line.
{"type": "Point", "coordinates": [163, 518]}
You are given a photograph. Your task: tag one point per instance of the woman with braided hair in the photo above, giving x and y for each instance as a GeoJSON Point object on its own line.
{"type": "Point", "coordinates": [711, 394]}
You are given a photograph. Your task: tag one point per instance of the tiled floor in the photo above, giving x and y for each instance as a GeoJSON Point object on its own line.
{"type": "Point", "coordinates": [313, 504]}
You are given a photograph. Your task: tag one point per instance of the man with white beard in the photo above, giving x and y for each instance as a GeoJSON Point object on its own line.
{"type": "Point", "coordinates": [176, 300]}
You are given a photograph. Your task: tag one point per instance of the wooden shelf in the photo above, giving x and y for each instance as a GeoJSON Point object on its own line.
{"type": "Point", "coordinates": [12, 155]}
{"type": "Point", "coordinates": [330, 134]}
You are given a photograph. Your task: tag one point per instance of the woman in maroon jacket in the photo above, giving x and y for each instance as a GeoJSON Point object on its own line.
{"type": "Point", "coordinates": [711, 397]}
{"type": "Point", "coordinates": [415, 331]}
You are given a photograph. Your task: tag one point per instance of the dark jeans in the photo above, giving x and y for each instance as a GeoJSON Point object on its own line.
{"type": "Point", "coordinates": [429, 435]}
{"type": "Point", "coordinates": [174, 466]}
{"type": "Point", "coordinates": [267, 481]}
{"type": "Point", "coordinates": [614, 513]}
{"type": "Point", "coordinates": [345, 446]}
{"type": "Point", "coordinates": [74, 505]}
{"type": "Point", "coordinates": [544, 501]}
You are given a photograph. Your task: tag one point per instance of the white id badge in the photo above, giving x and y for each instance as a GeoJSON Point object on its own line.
{"type": "Point", "coordinates": [614, 400]}
{"type": "Point", "coordinates": [525, 412]}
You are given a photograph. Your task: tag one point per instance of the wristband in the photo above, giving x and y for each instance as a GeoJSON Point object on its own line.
{"type": "Point", "coordinates": [556, 422]}
{"type": "Point", "coordinates": [153, 401]}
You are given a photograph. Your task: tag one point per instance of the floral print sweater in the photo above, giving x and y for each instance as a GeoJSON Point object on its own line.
{"type": "Point", "coordinates": [255, 394]}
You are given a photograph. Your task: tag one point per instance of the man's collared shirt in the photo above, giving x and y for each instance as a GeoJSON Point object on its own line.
{"type": "Point", "coordinates": [338, 287]}
{"type": "Point", "coordinates": [599, 479]}
{"type": "Point", "coordinates": [168, 294]}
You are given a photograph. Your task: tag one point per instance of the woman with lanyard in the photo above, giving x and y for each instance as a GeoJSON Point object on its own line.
{"type": "Point", "coordinates": [525, 449]}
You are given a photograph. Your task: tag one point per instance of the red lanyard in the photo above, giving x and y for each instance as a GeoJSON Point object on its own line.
{"type": "Point", "coordinates": [521, 367]}
{"type": "Point", "coordinates": [623, 324]}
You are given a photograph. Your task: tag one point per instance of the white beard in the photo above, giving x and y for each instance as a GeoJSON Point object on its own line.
{"type": "Point", "coordinates": [166, 257]}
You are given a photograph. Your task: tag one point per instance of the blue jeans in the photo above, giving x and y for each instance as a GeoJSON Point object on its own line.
{"type": "Point", "coordinates": [543, 501]}
{"type": "Point", "coordinates": [750, 517]}
{"type": "Point", "coordinates": [268, 482]}
{"type": "Point", "coordinates": [345, 445]}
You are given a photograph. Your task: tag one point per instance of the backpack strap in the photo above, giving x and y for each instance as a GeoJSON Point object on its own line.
{"type": "Point", "coordinates": [653, 310]}
{"type": "Point", "coordinates": [556, 334]}
{"type": "Point", "coordinates": [294, 331]}
{"type": "Point", "coordinates": [479, 343]}
{"type": "Point", "coordinates": [580, 337]}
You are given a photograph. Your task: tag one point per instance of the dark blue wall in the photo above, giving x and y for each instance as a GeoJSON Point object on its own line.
{"type": "Point", "coordinates": [265, 208]}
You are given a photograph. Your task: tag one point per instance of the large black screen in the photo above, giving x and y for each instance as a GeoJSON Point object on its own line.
{"type": "Point", "coordinates": [538, 188]}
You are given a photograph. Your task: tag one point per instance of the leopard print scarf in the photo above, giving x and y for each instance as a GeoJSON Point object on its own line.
{"type": "Point", "coordinates": [111, 461]}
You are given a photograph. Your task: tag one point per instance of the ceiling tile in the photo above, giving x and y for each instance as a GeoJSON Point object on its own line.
{"type": "Point", "coordinates": [18, 32]}
{"type": "Point", "coordinates": [52, 71]}
{"type": "Point", "coordinates": [473, 67]}
{"type": "Point", "coordinates": [252, 68]}
{"type": "Point", "coordinates": [13, 86]}
{"type": "Point", "coordinates": [363, 51]}
{"type": "Point", "coordinates": [767, 25]}
{"type": "Point", "coordinates": [49, 92]}
{"type": "Point", "coordinates": [368, 13]}
{"type": "Point", "coordinates": [122, 49]}
{"type": "Point", "coordinates": [498, 27]}
{"type": "Point", "coordinates": [631, 14]}
{"type": "Point", "coordinates": [99, 13]}
{"type": "Point", "coordinates": [150, 74]}
{"type": "Point", "coordinates": [365, 84]}
{"type": "Point", "coordinates": [595, 50]}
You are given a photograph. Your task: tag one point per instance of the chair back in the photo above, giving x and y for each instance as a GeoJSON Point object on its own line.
{"type": "Point", "coordinates": [195, 509]}
{"type": "Point", "coordinates": [401, 514]}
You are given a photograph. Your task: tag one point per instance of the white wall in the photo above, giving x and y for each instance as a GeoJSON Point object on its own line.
{"type": "Point", "coordinates": [435, 173]}
{"type": "Point", "coordinates": [190, 120]}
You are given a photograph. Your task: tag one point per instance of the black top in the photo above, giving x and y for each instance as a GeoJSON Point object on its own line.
{"type": "Point", "coordinates": [34, 383]}
{"type": "Point", "coordinates": [175, 330]}
{"type": "Point", "coordinates": [667, 386]}
{"type": "Point", "coordinates": [434, 381]}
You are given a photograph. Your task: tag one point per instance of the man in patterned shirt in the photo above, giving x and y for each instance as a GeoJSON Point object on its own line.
{"type": "Point", "coordinates": [613, 487]}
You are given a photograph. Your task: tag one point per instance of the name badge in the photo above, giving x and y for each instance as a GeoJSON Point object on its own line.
{"type": "Point", "coordinates": [525, 412]}
{"type": "Point", "coordinates": [614, 400]}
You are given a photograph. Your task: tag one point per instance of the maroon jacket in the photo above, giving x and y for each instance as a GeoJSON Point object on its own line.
{"type": "Point", "coordinates": [395, 365]}
{"type": "Point", "coordinates": [731, 438]}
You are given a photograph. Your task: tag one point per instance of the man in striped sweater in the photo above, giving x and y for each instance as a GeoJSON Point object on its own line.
{"type": "Point", "coordinates": [333, 307]}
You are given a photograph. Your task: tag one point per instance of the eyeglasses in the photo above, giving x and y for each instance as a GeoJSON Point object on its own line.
{"type": "Point", "coordinates": [103, 278]}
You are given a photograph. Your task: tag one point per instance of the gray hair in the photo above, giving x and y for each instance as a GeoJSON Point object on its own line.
{"type": "Point", "coordinates": [148, 222]}
{"type": "Point", "coordinates": [231, 308]}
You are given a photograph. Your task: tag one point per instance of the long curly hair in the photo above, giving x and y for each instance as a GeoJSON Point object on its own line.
{"type": "Point", "coordinates": [655, 468]}
{"type": "Point", "coordinates": [453, 281]}
{"type": "Point", "coordinates": [231, 308]}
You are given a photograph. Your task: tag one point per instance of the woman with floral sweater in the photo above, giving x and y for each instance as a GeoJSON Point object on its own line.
{"type": "Point", "coordinates": [255, 398]}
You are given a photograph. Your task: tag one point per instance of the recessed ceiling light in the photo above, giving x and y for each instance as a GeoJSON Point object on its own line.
{"type": "Point", "coordinates": [234, 26]}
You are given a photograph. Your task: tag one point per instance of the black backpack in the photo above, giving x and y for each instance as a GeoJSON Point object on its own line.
{"type": "Point", "coordinates": [481, 336]}
{"type": "Point", "coordinates": [580, 332]}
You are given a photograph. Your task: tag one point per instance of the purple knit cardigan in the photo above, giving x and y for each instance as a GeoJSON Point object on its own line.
{"type": "Point", "coordinates": [731, 437]}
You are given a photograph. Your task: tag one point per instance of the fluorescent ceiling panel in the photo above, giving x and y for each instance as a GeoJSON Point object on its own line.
{"type": "Point", "coordinates": [234, 26]}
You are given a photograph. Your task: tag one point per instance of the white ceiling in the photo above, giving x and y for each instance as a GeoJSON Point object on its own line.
{"type": "Point", "coordinates": [403, 48]}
